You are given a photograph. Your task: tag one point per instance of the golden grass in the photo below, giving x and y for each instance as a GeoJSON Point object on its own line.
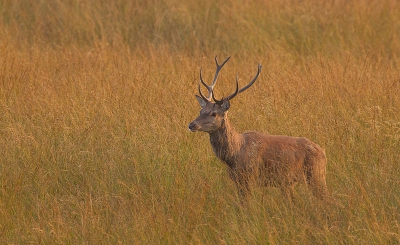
{"type": "Point", "coordinates": [96, 96]}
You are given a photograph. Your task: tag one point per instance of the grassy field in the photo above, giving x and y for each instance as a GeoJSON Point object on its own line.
{"type": "Point", "coordinates": [96, 96]}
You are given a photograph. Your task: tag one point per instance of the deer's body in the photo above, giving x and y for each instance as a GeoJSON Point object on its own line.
{"type": "Point", "coordinates": [257, 159]}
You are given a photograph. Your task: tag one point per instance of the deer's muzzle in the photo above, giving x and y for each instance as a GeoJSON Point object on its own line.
{"type": "Point", "coordinates": [193, 127]}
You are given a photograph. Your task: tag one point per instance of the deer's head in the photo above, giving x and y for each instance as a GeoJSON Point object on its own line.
{"type": "Point", "coordinates": [212, 114]}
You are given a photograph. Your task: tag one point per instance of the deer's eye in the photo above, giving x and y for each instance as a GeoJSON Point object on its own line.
{"type": "Point", "coordinates": [214, 114]}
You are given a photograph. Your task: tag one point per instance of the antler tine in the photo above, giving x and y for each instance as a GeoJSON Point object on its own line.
{"type": "Point", "coordinates": [218, 69]}
{"type": "Point", "coordinates": [201, 94]}
{"type": "Point", "coordinates": [245, 87]}
{"type": "Point", "coordinates": [211, 87]}
{"type": "Point", "coordinates": [252, 81]}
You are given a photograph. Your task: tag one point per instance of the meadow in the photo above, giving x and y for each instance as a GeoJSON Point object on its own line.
{"type": "Point", "coordinates": [96, 97]}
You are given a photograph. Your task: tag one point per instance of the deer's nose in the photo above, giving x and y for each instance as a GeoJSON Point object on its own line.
{"type": "Point", "coordinates": [192, 126]}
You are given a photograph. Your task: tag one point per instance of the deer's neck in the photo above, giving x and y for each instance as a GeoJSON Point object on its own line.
{"type": "Point", "coordinates": [226, 143]}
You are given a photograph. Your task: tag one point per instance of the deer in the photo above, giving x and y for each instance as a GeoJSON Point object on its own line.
{"type": "Point", "coordinates": [256, 159]}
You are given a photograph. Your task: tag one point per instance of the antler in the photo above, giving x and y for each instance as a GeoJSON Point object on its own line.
{"type": "Point", "coordinates": [237, 91]}
{"type": "Point", "coordinates": [210, 88]}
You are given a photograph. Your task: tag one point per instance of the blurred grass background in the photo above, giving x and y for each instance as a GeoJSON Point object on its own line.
{"type": "Point", "coordinates": [96, 96]}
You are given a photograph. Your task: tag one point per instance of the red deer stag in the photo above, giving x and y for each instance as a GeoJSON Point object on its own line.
{"type": "Point", "coordinates": [256, 159]}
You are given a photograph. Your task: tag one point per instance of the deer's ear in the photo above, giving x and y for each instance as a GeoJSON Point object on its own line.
{"type": "Point", "coordinates": [201, 101]}
{"type": "Point", "coordinates": [225, 105]}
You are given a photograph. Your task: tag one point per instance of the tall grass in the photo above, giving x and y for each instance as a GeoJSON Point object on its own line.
{"type": "Point", "coordinates": [192, 27]}
{"type": "Point", "coordinates": [95, 98]}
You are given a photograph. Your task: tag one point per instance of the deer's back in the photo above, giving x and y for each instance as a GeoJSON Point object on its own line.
{"type": "Point", "coordinates": [278, 154]}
